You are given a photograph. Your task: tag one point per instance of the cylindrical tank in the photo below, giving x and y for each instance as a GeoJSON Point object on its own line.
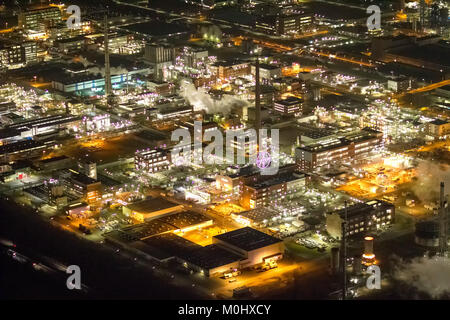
{"type": "Point", "coordinates": [368, 257]}
{"type": "Point", "coordinates": [427, 234]}
{"type": "Point", "coordinates": [334, 263]}
{"type": "Point", "coordinates": [368, 245]}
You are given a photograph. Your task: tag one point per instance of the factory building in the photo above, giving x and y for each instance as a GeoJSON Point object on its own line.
{"type": "Point", "coordinates": [55, 163]}
{"type": "Point", "coordinates": [36, 19]}
{"type": "Point", "coordinates": [438, 128]}
{"type": "Point", "coordinates": [267, 192]}
{"type": "Point", "coordinates": [174, 113]}
{"type": "Point", "coordinates": [289, 106]}
{"type": "Point", "coordinates": [267, 72]}
{"type": "Point", "coordinates": [22, 149]}
{"type": "Point", "coordinates": [94, 82]}
{"type": "Point", "coordinates": [90, 169]}
{"type": "Point", "coordinates": [86, 187]}
{"type": "Point", "coordinates": [362, 218]}
{"type": "Point", "coordinates": [46, 125]}
{"type": "Point", "coordinates": [70, 44]}
{"type": "Point", "coordinates": [334, 149]}
{"type": "Point", "coordinates": [9, 135]}
{"type": "Point", "coordinates": [160, 56]}
{"type": "Point", "coordinates": [286, 24]}
{"type": "Point", "coordinates": [17, 54]}
{"type": "Point", "coordinates": [230, 69]}
{"type": "Point", "coordinates": [192, 57]}
{"type": "Point", "coordinates": [401, 84]}
{"type": "Point", "coordinates": [150, 208]}
{"type": "Point", "coordinates": [152, 160]}
{"type": "Point", "coordinates": [255, 247]}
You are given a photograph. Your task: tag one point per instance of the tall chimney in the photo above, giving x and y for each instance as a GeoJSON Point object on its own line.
{"type": "Point", "coordinates": [368, 257]}
{"type": "Point", "coordinates": [257, 102]}
{"type": "Point", "coordinates": [108, 86]}
{"type": "Point", "coordinates": [443, 224]}
{"type": "Point", "coordinates": [344, 253]}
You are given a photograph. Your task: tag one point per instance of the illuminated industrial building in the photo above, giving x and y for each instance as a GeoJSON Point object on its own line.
{"type": "Point", "coordinates": [438, 128]}
{"type": "Point", "coordinates": [150, 208]}
{"type": "Point", "coordinates": [152, 161]}
{"type": "Point", "coordinates": [362, 218]}
{"type": "Point", "coordinates": [254, 246]}
{"type": "Point", "coordinates": [230, 69]}
{"type": "Point", "coordinates": [271, 191]}
{"type": "Point", "coordinates": [86, 187]}
{"type": "Point", "coordinates": [36, 19]}
{"type": "Point", "coordinates": [285, 24]}
{"type": "Point", "coordinates": [46, 125]}
{"type": "Point", "coordinates": [329, 151]}
{"type": "Point", "coordinates": [289, 106]}
{"type": "Point", "coordinates": [15, 54]}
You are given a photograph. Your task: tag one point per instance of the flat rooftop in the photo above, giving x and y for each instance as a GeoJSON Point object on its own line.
{"type": "Point", "coordinates": [54, 159]}
{"type": "Point", "coordinates": [157, 28]}
{"type": "Point", "coordinates": [438, 122]}
{"type": "Point", "coordinates": [151, 135]}
{"type": "Point", "coordinates": [212, 256]}
{"type": "Point", "coordinates": [364, 208]}
{"type": "Point", "coordinates": [21, 146]}
{"type": "Point", "coordinates": [289, 101]}
{"type": "Point", "coordinates": [165, 224]}
{"type": "Point", "coordinates": [247, 239]}
{"type": "Point", "coordinates": [284, 178]}
{"type": "Point", "coordinates": [184, 219]}
{"type": "Point", "coordinates": [151, 205]}
{"type": "Point", "coordinates": [171, 245]}
{"type": "Point", "coordinates": [258, 214]}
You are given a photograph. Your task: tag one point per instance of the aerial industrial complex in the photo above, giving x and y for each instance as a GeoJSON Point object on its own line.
{"type": "Point", "coordinates": [231, 149]}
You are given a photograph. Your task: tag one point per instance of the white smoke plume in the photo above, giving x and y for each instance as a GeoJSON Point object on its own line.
{"type": "Point", "coordinates": [101, 70]}
{"type": "Point", "coordinates": [429, 176]}
{"type": "Point", "coordinates": [113, 70]}
{"type": "Point", "coordinates": [201, 100]}
{"type": "Point", "coordinates": [427, 275]}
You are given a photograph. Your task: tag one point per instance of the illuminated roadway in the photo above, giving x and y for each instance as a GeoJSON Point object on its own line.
{"type": "Point", "coordinates": [431, 86]}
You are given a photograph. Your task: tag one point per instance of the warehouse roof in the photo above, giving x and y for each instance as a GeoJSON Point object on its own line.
{"type": "Point", "coordinates": [248, 239]}
{"type": "Point", "coordinates": [212, 256]}
{"type": "Point", "coordinates": [151, 205]}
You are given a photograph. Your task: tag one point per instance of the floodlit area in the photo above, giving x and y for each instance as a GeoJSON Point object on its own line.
{"type": "Point", "coordinates": [223, 151]}
{"type": "Point", "coordinates": [379, 178]}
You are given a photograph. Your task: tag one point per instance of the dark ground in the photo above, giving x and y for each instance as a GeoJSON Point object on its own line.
{"type": "Point", "coordinates": [108, 275]}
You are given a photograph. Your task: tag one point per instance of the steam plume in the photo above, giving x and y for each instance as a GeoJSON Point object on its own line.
{"type": "Point", "coordinates": [427, 275]}
{"type": "Point", "coordinates": [429, 175]}
{"type": "Point", "coordinates": [201, 100]}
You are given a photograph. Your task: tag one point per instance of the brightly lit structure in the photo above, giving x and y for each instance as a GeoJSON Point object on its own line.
{"type": "Point", "coordinates": [368, 257]}
{"type": "Point", "coordinates": [152, 160]}
{"type": "Point", "coordinates": [271, 191]}
{"type": "Point", "coordinates": [334, 149]}
{"type": "Point", "coordinates": [254, 246]}
{"type": "Point", "coordinates": [362, 218]}
{"type": "Point", "coordinates": [150, 208]}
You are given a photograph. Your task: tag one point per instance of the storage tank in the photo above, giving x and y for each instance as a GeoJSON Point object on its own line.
{"type": "Point", "coordinates": [427, 234]}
